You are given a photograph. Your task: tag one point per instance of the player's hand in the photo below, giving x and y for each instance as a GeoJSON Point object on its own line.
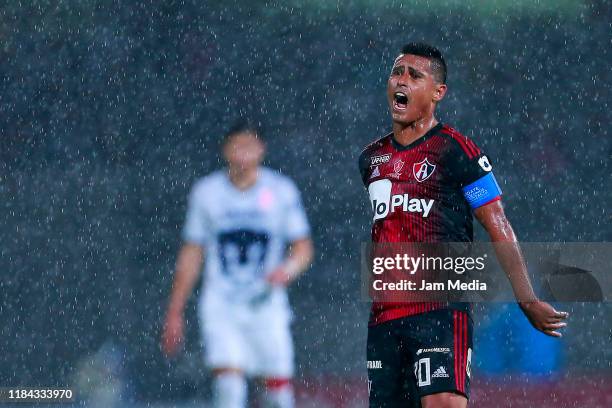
{"type": "Point", "coordinates": [279, 277]}
{"type": "Point", "coordinates": [172, 336]}
{"type": "Point", "coordinates": [544, 317]}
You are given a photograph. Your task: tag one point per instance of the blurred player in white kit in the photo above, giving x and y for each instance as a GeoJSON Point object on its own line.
{"type": "Point", "coordinates": [248, 224]}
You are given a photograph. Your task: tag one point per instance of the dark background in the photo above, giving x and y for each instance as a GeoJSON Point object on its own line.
{"type": "Point", "coordinates": [110, 110]}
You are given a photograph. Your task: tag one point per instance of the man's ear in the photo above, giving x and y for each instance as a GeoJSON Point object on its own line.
{"type": "Point", "coordinates": [439, 92]}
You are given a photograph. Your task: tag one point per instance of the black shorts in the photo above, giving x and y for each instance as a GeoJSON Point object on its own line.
{"type": "Point", "coordinates": [414, 356]}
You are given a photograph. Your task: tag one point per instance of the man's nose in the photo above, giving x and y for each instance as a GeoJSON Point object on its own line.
{"type": "Point", "coordinates": [403, 79]}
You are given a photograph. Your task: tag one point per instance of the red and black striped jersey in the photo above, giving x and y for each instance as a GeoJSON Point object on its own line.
{"type": "Point", "coordinates": [424, 192]}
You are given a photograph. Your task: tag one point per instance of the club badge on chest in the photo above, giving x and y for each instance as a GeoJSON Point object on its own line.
{"type": "Point", "coordinates": [423, 170]}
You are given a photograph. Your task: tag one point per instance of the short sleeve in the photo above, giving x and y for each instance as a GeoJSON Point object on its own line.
{"type": "Point", "coordinates": [474, 174]}
{"type": "Point", "coordinates": [297, 226]}
{"type": "Point", "coordinates": [364, 161]}
{"type": "Point", "coordinates": [195, 229]}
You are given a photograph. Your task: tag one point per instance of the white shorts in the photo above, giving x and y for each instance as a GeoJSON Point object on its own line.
{"type": "Point", "coordinates": [254, 339]}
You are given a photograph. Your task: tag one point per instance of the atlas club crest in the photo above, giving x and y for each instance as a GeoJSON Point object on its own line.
{"type": "Point", "coordinates": [423, 170]}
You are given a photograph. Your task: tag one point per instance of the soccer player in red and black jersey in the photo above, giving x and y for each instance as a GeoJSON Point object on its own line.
{"type": "Point", "coordinates": [425, 180]}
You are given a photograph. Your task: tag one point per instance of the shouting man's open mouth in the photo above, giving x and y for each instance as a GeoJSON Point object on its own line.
{"type": "Point", "coordinates": [400, 101]}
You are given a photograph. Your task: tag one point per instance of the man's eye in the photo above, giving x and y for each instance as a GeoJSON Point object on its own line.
{"type": "Point", "coordinates": [396, 71]}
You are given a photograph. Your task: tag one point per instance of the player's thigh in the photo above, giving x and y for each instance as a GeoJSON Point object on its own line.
{"type": "Point", "coordinates": [225, 344]}
{"type": "Point", "coordinates": [272, 348]}
{"type": "Point", "coordinates": [442, 360]}
{"type": "Point", "coordinates": [389, 372]}
{"type": "Point", "coordinates": [444, 400]}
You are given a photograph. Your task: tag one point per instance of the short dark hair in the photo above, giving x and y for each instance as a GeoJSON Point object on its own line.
{"type": "Point", "coordinates": [434, 55]}
{"type": "Point", "coordinates": [242, 126]}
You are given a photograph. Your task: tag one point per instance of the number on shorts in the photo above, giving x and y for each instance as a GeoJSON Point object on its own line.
{"type": "Point", "coordinates": [422, 372]}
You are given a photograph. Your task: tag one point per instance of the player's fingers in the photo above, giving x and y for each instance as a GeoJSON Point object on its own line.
{"type": "Point", "coordinates": [552, 333]}
{"type": "Point", "coordinates": [555, 320]}
{"type": "Point", "coordinates": [554, 326]}
{"type": "Point", "coordinates": [554, 316]}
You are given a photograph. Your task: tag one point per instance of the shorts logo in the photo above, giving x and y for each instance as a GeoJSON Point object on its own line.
{"type": "Point", "coordinates": [440, 373]}
{"type": "Point", "coordinates": [383, 158]}
{"type": "Point", "coordinates": [423, 170]}
{"type": "Point", "coordinates": [484, 163]}
{"type": "Point", "coordinates": [433, 350]}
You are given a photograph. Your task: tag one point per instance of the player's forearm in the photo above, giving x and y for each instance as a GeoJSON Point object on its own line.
{"type": "Point", "coordinates": [188, 267]}
{"type": "Point", "coordinates": [511, 260]}
{"type": "Point", "coordinates": [300, 256]}
{"type": "Point", "coordinates": [507, 250]}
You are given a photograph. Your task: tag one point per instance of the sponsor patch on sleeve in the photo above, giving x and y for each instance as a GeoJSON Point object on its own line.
{"type": "Point", "coordinates": [482, 191]}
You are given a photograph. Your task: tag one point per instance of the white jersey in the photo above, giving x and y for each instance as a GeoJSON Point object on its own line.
{"type": "Point", "coordinates": [245, 234]}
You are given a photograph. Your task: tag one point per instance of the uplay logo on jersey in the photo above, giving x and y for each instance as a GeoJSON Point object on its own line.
{"type": "Point", "coordinates": [383, 158]}
{"type": "Point", "coordinates": [383, 202]}
{"type": "Point", "coordinates": [422, 170]}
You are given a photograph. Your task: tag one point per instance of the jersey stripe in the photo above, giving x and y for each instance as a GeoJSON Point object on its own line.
{"type": "Point", "coordinates": [491, 201]}
{"type": "Point", "coordinates": [465, 347]}
{"type": "Point", "coordinates": [461, 348]}
{"type": "Point", "coordinates": [466, 144]}
{"type": "Point", "coordinates": [456, 348]}
{"type": "Point", "coordinates": [403, 310]}
{"type": "Point", "coordinates": [462, 140]}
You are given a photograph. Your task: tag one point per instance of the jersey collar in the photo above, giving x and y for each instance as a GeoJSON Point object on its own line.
{"type": "Point", "coordinates": [417, 142]}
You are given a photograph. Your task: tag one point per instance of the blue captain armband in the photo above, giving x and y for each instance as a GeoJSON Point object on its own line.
{"type": "Point", "coordinates": [482, 191]}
